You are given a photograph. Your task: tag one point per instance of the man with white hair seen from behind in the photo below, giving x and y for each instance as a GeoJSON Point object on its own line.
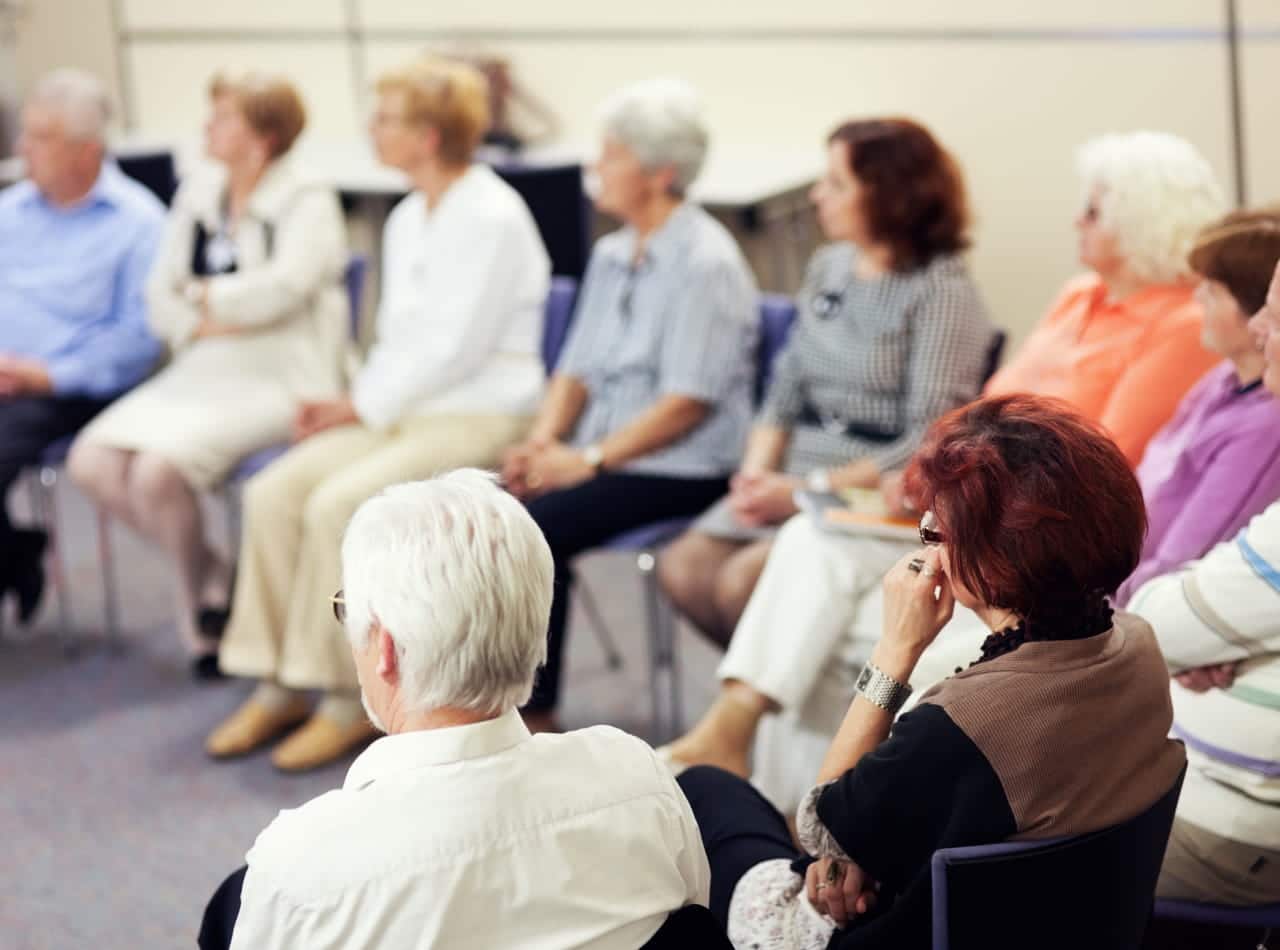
{"type": "Point", "coordinates": [460, 828]}
{"type": "Point", "coordinates": [77, 239]}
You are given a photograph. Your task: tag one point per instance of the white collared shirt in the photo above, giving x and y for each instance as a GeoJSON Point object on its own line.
{"type": "Point", "coordinates": [459, 323]}
{"type": "Point", "coordinates": [480, 836]}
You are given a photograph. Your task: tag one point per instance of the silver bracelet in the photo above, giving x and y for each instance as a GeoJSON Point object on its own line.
{"type": "Point", "coordinates": [880, 688]}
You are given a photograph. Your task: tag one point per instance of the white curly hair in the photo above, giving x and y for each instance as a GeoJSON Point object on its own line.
{"type": "Point", "coordinates": [1156, 193]}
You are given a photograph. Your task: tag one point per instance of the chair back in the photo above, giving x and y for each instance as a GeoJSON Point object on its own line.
{"type": "Point", "coordinates": [560, 208]}
{"type": "Point", "coordinates": [1094, 890]}
{"type": "Point", "coordinates": [690, 926]}
{"type": "Point", "coordinates": [353, 278]}
{"type": "Point", "coordinates": [994, 353]}
{"type": "Point", "coordinates": [777, 314]}
{"type": "Point", "coordinates": [556, 319]}
{"type": "Point", "coordinates": [155, 170]}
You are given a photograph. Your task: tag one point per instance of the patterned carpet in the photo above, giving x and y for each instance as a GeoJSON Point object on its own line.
{"type": "Point", "coordinates": [115, 825]}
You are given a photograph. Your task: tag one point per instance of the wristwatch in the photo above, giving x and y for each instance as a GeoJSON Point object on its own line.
{"type": "Point", "coordinates": [818, 480]}
{"type": "Point", "coordinates": [593, 455]}
{"type": "Point", "coordinates": [880, 688]}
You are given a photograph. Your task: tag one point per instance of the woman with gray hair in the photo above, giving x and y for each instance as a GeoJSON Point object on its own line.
{"type": "Point", "coordinates": [459, 828]}
{"type": "Point", "coordinates": [648, 408]}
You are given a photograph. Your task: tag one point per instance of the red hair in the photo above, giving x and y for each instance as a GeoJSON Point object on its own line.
{"type": "Point", "coordinates": [1039, 510]}
{"type": "Point", "coordinates": [913, 193]}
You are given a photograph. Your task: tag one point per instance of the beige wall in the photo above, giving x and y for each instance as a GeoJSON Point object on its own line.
{"type": "Point", "coordinates": [1011, 86]}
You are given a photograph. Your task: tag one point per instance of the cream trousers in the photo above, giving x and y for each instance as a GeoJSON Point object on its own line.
{"type": "Point", "coordinates": [282, 625]}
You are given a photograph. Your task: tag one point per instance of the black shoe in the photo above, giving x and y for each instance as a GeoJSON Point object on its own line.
{"type": "Point", "coordinates": [204, 668]}
{"type": "Point", "coordinates": [26, 578]}
{"type": "Point", "coordinates": [211, 621]}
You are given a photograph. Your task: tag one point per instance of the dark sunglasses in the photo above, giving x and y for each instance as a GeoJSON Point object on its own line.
{"type": "Point", "coordinates": [929, 533]}
{"type": "Point", "coordinates": [339, 603]}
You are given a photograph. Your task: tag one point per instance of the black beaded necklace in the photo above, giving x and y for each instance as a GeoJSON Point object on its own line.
{"type": "Point", "coordinates": [1063, 622]}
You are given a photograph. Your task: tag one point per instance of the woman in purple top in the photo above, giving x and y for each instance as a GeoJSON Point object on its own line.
{"type": "Point", "coordinates": [1217, 463]}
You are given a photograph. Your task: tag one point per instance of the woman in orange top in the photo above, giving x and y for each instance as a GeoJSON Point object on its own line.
{"type": "Point", "coordinates": [1122, 343]}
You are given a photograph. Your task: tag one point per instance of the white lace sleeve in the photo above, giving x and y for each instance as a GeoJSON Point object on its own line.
{"type": "Point", "coordinates": [770, 911]}
{"type": "Point", "coordinates": [813, 834]}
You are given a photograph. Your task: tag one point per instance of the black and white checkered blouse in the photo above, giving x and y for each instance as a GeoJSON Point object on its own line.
{"type": "Point", "coordinates": [871, 363]}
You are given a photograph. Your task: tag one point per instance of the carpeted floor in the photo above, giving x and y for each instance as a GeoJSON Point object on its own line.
{"type": "Point", "coordinates": [115, 826]}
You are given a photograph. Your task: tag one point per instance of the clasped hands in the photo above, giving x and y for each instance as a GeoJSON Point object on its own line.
{"type": "Point", "coordinates": [540, 465]}
{"type": "Point", "coordinates": [840, 889]}
{"type": "Point", "coordinates": [20, 376]}
{"type": "Point", "coordinates": [317, 416]}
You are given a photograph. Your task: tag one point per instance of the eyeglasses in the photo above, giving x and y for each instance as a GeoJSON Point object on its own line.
{"type": "Point", "coordinates": [339, 603]}
{"type": "Point", "coordinates": [929, 533]}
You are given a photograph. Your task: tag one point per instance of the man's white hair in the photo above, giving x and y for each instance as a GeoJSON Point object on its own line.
{"type": "Point", "coordinates": [460, 576]}
{"type": "Point", "coordinates": [1158, 191]}
{"type": "Point", "coordinates": [79, 99]}
{"type": "Point", "coordinates": [662, 121]}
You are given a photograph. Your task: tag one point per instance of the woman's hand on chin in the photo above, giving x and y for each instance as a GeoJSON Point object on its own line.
{"type": "Point", "coordinates": [917, 604]}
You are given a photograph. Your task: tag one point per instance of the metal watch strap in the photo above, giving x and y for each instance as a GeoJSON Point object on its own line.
{"type": "Point", "coordinates": [881, 689]}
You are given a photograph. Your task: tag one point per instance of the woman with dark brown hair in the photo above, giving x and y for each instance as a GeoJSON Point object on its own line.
{"type": "Point", "coordinates": [1059, 727]}
{"type": "Point", "coordinates": [891, 333]}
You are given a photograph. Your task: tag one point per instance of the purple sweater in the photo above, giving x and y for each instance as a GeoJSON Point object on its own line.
{"type": "Point", "coordinates": [1205, 474]}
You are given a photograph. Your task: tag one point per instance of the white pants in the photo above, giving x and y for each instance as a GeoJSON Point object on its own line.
{"type": "Point", "coordinates": [813, 620]}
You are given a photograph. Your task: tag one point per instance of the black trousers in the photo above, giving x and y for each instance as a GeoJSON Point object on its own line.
{"type": "Point", "coordinates": [739, 828]}
{"type": "Point", "coordinates": [586, 516]}
{"type": "Point", "coordinates": [29, 425]}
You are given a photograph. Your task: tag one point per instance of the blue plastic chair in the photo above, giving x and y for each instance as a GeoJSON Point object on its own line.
{"type": "Point", "coordinates": [1094, 890]}
{"type": "Point", "coordinates": [556, 320]}
{"type": "Point", "coordinates": [777, 313]}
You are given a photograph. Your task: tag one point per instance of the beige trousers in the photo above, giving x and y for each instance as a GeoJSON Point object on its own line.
{"type": "Point", "coordinates": [1202, 866]}
{"type": "Point", "coordinates": [282, 625]}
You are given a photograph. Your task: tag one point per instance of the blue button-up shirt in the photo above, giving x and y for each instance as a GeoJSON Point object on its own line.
{"type": "Point", "coordinates": [72, 283]}
{"type": "Point", "coordinates": [682, 322]}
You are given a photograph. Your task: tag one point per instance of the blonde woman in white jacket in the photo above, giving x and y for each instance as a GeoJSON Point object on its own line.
{"type": "Point", "coordinates": [247, 295]}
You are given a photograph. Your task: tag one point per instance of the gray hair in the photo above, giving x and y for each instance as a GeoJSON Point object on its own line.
{"type": "Point", "coordinates": [80, 100]}
{"type": "Point", "coordinates": [460, 577]}
{"type": "Point", "coordinates": [1158, 192]}
{"type": "Point", "coordinates": [662, 122]}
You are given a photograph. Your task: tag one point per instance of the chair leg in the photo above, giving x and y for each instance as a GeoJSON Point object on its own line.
{"type": "Point", "coordinates": [46, 488]}
{"type": "Point", "coordinates": [110, 589]}
{"type": "Point", "coordinates": [598, 626]}
{"type": "Point", "coordinates": [663, 662]}
{"type": "Point", "coordinates": [232, 502]}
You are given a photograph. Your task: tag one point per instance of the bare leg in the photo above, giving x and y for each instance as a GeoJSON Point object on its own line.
{"type": "Point", "coordinates": [103, 473]}
{"type": "Point", "coordinates": [724, 735]}
{"type": "Point", "coordinates": [736, 580]}
{"type": "Point", "coordinates": [687, 571]}
{"type": "Point", "coordinates": [168, 512]}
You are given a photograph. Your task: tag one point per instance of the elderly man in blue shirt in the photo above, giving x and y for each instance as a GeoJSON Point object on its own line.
{"type": "Point", "coordinates": [76, 242]}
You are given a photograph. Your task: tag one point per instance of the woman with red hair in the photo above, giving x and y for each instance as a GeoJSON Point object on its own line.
{"type": "Point", "coordinates": [1059, 727]}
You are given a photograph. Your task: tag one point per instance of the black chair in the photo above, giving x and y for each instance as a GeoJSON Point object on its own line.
{"type": "Point", "coordinates": [1092, 891]}
{"type": "Point", "coordinates": [692, 927]}
{"type": "Point", "coordinates": [560, 208]}
{"type": "Point", "coordinates": [156, 170]}
{"type": "Point", "coordinates": [994, 353]}
{"type": "Point", "coordinates": [220, 913]}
